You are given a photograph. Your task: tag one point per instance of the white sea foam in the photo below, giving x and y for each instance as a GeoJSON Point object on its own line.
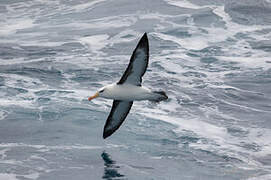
{"type": "Point", "coordinates": [3, 153]}
{"type": "Point", "coordinates": [184, 4]}
{"type": "Point", "coordinates": [119, 37]}
{"type": "Point", "coordinates": [6, 176]}
{"type": "Point", "coordinates": [102, 23]}
{"type": "Point", "coordinates": [187, 43]}
{"type": "Point", "coordinates": [203, 129]}
{"type": "Point", "coordinates": [96, 43]}
{"type": "Point", "coordinates": [261, 177]}
{"type": "Point", "coordinates": [16, 102]}
{"type": "Point", "coordinates": [114, 22]}
{"type": "Point", "coordinates": [62, 147]}
{"type": "Point", "coordinates": [13, 80]}
{"type": "Point", "coordinates": [21, 61]}
{"type": "Point", "coordinates": [36, 157]}
{"type": "Point", "coordinates": [219, 139]}
{"type": "Point", "coordinates": [27, 99]}
{"type": "Point", "coordinates": [88, 5]}
{"type": "Point", "coordinates": [12, 26]}
{"type": "Point", "coordinates": [11, 162]}
{"type": "Point", "coordinates": [237, 52]}
{"type": "Point", "coordinates": [3, 114]}
{"type": "Point", "coordinates": [32, 175]}
{"type": "Point", "coordinates": [250, 62]}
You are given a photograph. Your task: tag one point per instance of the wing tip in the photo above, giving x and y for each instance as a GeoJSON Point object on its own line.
{"type": "Point", "coordinates": [143, 43]}
{"type": "Point", "coordinates": [106, 134]}
{"type": "Point", "coordinates": [145, 35]}
{"type": "Point", "coordinates": [144, 40]}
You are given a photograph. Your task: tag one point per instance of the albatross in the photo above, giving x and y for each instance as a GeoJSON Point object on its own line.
{"type": "Point", "coordinates": [128, 88]}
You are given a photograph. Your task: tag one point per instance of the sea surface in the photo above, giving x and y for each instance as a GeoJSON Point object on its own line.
{"type": "Point", "coordinates": [212, 57]}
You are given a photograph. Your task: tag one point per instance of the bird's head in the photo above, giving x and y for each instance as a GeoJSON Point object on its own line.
{"type": "Point", "coordinates": [99, 93]}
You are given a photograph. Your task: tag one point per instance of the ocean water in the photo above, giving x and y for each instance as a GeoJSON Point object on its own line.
{"type": "Point", "coordinates": [212, 58]}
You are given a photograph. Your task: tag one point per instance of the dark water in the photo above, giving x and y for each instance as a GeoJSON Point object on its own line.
{"type": "Point", "coordinates": [212, 57]}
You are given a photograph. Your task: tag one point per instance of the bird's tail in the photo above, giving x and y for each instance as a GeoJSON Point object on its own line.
{"type": "Point", "coordinates": [159, 96]}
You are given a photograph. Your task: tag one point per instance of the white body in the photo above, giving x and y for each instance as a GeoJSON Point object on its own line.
{"type": "Point", "coordinates": [127, 92]}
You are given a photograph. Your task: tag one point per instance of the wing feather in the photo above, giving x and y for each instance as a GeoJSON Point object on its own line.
{"type": "Point", "coordinates": [138, 63]}
{"type": "Point", "coordinates": [118, 113]}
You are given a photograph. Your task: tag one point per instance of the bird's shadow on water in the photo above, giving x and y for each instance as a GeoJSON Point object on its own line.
{"type": "Point", "coordinates": [110, 168]}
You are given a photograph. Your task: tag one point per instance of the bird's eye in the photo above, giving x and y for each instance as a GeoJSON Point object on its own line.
{"type": "Point", "coordinates": [101, 90]}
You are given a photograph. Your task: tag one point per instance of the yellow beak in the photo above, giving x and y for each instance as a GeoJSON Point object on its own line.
{"type": "Point", "coordinates": [94, 96]}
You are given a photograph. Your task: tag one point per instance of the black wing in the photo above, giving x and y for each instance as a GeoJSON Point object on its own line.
{"type": "Point", "coordinates": [119, 111]}
{"type": "Point", "coordinates": [138, 63]}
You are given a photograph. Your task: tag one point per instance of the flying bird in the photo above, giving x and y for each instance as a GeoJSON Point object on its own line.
{"type": "Point", "coordinates": [128, 89]}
